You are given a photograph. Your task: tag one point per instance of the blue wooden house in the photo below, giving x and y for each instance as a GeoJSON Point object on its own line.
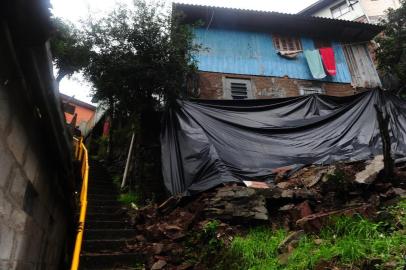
{"type": "Point", "coordinates": [257, 54]}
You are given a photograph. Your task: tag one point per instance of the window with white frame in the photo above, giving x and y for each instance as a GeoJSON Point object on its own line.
{"type": "Point", "coordinates": [309, 90]}
{"type": "Point", "coordinates": [340, 9]}
{"type": "Point", "coordinates": [286, 43]}
{"type": "Point", "coordinates": [237, 88]}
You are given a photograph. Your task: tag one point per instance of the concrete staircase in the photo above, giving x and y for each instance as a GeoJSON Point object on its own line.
{"type": "Point", "coordinates": [107, 229]}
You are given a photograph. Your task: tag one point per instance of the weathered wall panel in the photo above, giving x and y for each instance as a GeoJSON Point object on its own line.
{"type": "Point", "coordinates": [361, 67]}
{"type": "Point", "coordinates": [250, 53]}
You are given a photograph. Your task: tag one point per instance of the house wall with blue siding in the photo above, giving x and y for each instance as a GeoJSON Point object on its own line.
{"type": "Point", "coordinates": [251, 53]}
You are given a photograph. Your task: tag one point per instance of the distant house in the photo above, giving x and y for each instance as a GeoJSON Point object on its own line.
{"type": "Point", "coordinates": [84, 111]}
{"type": "Point", "coordinates": [369, 11]}
{"type": "Point", "coordinates": [257, 54]}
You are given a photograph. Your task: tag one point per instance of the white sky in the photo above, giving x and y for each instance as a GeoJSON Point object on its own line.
{"type": "Point", "coordinates": [74, 10]}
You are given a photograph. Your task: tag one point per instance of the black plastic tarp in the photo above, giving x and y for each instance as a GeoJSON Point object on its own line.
{"type": "Point", "coordinates": [209, 142]}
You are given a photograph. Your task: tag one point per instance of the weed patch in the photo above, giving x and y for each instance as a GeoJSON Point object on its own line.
{"type": "Point", "coordinates": [349, 242]}
{"type": "Point", "coordinates": [128, 198]}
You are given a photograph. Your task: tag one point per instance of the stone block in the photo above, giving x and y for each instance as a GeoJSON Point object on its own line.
{"type": "Point", "coordinates": [7, 264]}
{"type": "Point", "coordinates": [6, 241]}
{"type": "Point", "coordinates": [18, 219]}
{"type": "Point", "coordinates": [22, 265]}
{"type": "Point", "coordinates": [17, 140]}
{"type": "Point", "coordinates": [4, 110]}
{"type": "Point", "coordinates": [28, 246]}
{"type": "Point", "coordinates": [31, 165]}
{"type": "Point", "coordinates": [43, 187]}
{"type": "Point", "coordinates": [6, 161]}
{"type": "Point", "coordinates": [18, 186]}
{"type": "Point", "coordinates": [18, 245]}
{"type": "Point", "coordinates": [5, 206]}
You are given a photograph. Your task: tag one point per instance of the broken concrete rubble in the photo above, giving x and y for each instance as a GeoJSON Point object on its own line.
{"type": "Point", "coordinates": [306, 200]}
{"type": "Point", "coordinates": [371, 171]}
{"type": "Point", "coordinates": [236, 202]}
{"type": "Point", "coordinates": [158, 265]}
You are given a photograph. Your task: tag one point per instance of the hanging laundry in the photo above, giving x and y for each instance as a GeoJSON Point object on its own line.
{"type": "Point", "coordinates": [289, 54]}
{"type": "Point", "coordinates": [329, 62]}
{"type": "Point", "coordinates": [315, 64]}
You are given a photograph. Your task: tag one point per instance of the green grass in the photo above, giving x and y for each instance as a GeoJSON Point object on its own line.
{"type": "Point", "coordinates": [256, 250]}
{"type": "Point", "coordinates": [128, 198]}
{"type": "Point", "coordinates": [348, 242]}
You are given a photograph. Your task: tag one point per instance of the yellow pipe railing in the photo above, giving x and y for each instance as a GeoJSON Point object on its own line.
{"type": "Point", "coordinates": [81, 155]}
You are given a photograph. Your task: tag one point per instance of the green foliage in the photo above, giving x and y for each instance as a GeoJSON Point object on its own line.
{"type": "Point", "coordinates": [348, 241]}
{"type": "Point", "coordinates": [256, 250]}
{"type": "Point", "coordinates": [140, 58]}
{"type": "Point", "coordinates": [128, 198]}
{"type": "Point", "coordinates": [102, 147]}
{"type": "Point", "coordinates": [210, 228]}
{"type": "Point", "coordinates": [209, 236]}
{"type": "Point", "coordinates": [70, 51]}
{"type": "Point", "coordinates": [209, 245]}
{"type": "Point", "coordinates": [338, 177]}
{"type": "Point", "coordinates": [391, 53]}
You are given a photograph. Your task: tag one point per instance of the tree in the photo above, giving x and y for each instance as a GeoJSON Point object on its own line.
{"type": "Point", "coordinates": [70, 51]}
{"type": "Point", "coordinates": [140, 57]}
{"type": "Point", "coordinates": [391, 52]}
{"type": "Point", "coordinates": [140, 61]}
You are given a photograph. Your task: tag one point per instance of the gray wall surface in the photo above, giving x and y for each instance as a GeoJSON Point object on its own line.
{"type": "Point", "coordinates": [36, 183]}
{"type": "Point", "coordinates": [32, 221]}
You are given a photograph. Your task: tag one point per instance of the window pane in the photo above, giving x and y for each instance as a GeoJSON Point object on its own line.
{"type": "Point", "coordinates": [344, 9]}
{"type": "Point", "coordinates": [298, 45]}
{"type": "Point", "coordinates": [335, 12]}
{"type": "Point", "coordinates": [286, 43]}
{"type": "Point", "coordinates": [276, 42]}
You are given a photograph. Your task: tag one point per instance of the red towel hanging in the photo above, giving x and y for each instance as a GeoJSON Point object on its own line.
{"type": "Point", "coordinates": [329, 62]}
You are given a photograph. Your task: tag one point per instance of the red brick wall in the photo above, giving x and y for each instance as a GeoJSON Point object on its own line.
{"type": "Point", "coordinates": [211, 86]}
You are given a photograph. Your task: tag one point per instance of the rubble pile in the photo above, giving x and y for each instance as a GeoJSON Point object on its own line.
{"type": "Point", "coordinates": [302, 199]}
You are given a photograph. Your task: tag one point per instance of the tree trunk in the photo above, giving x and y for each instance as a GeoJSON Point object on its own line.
{"type": "Point", "coordinates": [383, 122]}
{"type": "Point", "coordinates": [60, 76]}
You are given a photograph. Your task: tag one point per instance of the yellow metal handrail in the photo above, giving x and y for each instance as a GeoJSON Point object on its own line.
{"type": "Point", "coordinates": [81, 156]}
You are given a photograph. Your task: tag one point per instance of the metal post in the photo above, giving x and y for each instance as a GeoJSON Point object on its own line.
{"type": "Point", "coordinates": [127, 164]}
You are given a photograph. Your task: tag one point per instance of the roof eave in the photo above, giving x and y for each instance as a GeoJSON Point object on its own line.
{"type": "Point", "coordinates": [242, 19]}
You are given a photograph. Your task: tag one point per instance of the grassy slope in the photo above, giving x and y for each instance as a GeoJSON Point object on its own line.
{"type": "Point", "coordinates": [347, 243]}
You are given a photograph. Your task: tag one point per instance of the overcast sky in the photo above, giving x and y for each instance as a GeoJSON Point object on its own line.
{"type": "Point", "coordinates": [74, 10]}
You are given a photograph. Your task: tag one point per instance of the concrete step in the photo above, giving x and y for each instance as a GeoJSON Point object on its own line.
{"type": "Point", "coordinates": [111, 224]}
{"type": "Point", "coordinates": [106, 246]}
{"type": "Point", "coordinates": [98, 234]}
{"type": "Point", "coordinates": [95, 202]}
{"type": "Point", "coordinates": [104, 209]}
{"type": "Point", "coordinates": [96, 185]}
{"type": "Point", "coordinates": [102, 191]}
{"type": "Point", "coordinates": [107, 216]}
{"type": "Point", "coordinates": [109, 261]}
{"type": "Point", "coordinates": [104, 197]}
